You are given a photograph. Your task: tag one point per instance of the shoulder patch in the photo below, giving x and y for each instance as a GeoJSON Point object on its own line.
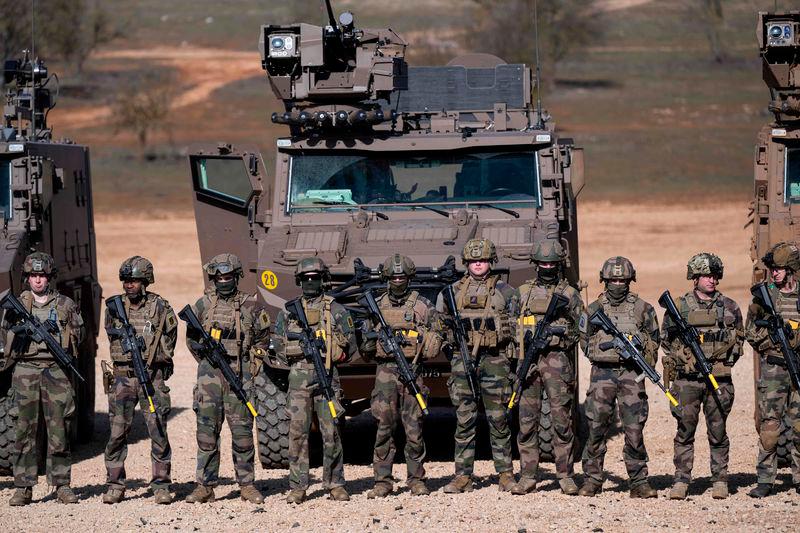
{"type": "Point", "coordinates": [171, 322]}
{"type": "Point", "coordinates": [350, 322]}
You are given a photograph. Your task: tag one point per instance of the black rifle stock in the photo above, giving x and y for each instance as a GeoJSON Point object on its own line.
{"type": "Point", "coordinates": [312, 350]}
{"type": "Point", "coordinates": [460, 334]}
{"type": "Point", "coordinates": [33, 328]}
{"type": "Point", "coordinates": [133, 345]}
{"type": "Point", "coordinates": [391, 344]}
{"type": "Point", "coordinates": [777, 328]}
{"type": "Point", "coordinates": [535, 342]}
{"type": "Point", "coordinates": [629, 349]}
{"type": "Point", "coordinates": [213, 351]}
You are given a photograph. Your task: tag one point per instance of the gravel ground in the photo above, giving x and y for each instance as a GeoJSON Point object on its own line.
{"type": "Point", "coordinates": [642, 232]}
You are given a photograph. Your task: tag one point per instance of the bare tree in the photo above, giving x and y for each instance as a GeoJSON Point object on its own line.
{"type": "Point", "coordinates": [15, 28]}
{"type": "Point", "coordinates": [710, 17]}
{"type": "Point", "coordinates": [144, 107]}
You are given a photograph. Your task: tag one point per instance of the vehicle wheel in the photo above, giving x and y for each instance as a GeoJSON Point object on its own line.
{"type": "Point", "coordinates": [7, 418]}
{"type": "Point", "coordinates": [272, 423]}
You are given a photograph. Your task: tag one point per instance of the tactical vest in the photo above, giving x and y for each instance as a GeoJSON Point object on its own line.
{"type": "Point", "coordinates": [534, 304]}
{"type": "Point", "coordinates": [319, 318]}
{"type": "Point", "coordinates": [225, 315]}
{"type": "Point", "coordinates": [148, 321]}
{"type": "Point", "coordinates": [481, 308]}
{"type": "Point", "coordinates": [788, 305]}
{"type": "Point", "coordinates": [402, 320]}
{"type": "Point", "coordinates": [624, 317]}
{"type": "Point", "coordinates": [57, 309]}
{"type": "Point", "coordinates": [714, 325]}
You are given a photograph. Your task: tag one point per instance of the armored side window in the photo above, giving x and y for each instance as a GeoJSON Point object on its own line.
{"type": "Point", "coordinates": [791, 176]}
{"type": "Point", "coordinates": [222, 178]}
{"type": "Point", "coordinates": [5, 188]}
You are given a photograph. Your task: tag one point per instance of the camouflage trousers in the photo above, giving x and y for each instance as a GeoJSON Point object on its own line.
{"type": "Point", "coordinates": [36, 384]}
{"type": "Point", "coordinates": [122, 400]}
{"type": "Point", "coordinates": [305, 399]}
{"type": "Point", "coordinates": [776, 399]}
{"type": "Point", "coordinates": [612, 387]}
{"type": "Point", "coordinates": [214, 401]}
{"type": "Point", "coordinates": [494, 376]}
{"type": "Point", "coordinates": [392, 402]}
{"type": "Point", "coordinates": [692, 395]}
{"type": "Point", "coordinates": [555, 375]}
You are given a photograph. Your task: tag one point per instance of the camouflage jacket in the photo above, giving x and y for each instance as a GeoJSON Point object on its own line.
{"type": "Point", "coordinates": [633, 316]}
{"type": "Point", "coordinates": [788, 305]}
{"type": "Point", "coordinates": [416, 320]}
{"type": "Point", "coordinates": [62, 310]}
{"type": "Point", "coordinates": [718, 321]}
{"type": "Point", "coordinates": [331, 322]}
{"type": "Point", "coordinates": [534, 298]}
{"type": "Point", "coordinates": [154, 320]}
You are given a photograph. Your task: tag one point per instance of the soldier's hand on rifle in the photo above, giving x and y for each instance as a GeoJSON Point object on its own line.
{"type": "Point", "coordinates": [51, 326]}
{"type": "Point", "coordinates": [167, 370]}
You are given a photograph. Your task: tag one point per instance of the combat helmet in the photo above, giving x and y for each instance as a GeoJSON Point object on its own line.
{"type": "Point", "coordinates": [398, 265]}
{"type": "Point", "coordinates": [548, 251]}
{"type": "Point", "coordinates": [783, 255]}
{"type": "Point", "coordinates": [617, 268]}
{"type": "Point", "coordinates": [479, 249]}
{"type": "Point", "coordinates": [137, 267]}
{"type": "Point", "coordinates": [311, 265]}
{"type": "Point", "coordinates": [39, 263]}
{"type": "Point", "coordinates": [704, 264]}
{"type": "Point", "coordinates": [224, 264]}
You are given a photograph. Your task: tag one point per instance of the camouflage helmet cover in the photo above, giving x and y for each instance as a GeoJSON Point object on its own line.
{"type": "Point", "coordinates": [398, 265]}
{"type": "Point", "coordinates": [311, 265]}
{"type": "Point", "coordinates": [704, 264]}
{"type": "Point", "coordinates": [479, 250]}
{"type": "Point", "coordinates": [137, 267]}
{"type": "Point", "coordinates": [783, 255]}
{"type": "Point", "coordinates": [618, 268]}
{"type": "Point", "coordinates": [39, 263]}
{"type": "Point", "coordinates": [548, 251]}
{"type": "Point", "coordinates": [223, 264]}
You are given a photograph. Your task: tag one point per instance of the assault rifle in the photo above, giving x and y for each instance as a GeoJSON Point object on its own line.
{"type": "Point", "coordinates": [132, 344]}
{"type": "Point", "coordinates": [33, 328]}
{"type": "Point", "coordinates": [778, 329]}
{"type": "Point", "coordinates": [460, 334]}
{"type": "Point", "coordinates": [629, 349]}
{"type": "Point", "coordinates": [391, 345]}
{"type": "Point", "coordinates": [312, 350]}
{"type": "Point", "coordinates": [535, 342]}
{"type": "Point", "coordinates": [213, 351]}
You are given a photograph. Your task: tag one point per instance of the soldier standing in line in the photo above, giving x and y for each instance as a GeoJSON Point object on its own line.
{"type": "Point", "coordinates": [333, 324]}
{"type": "Point", "coordinates": [230, 316]}
{"type": "Point", "coordinates": [718, 320]}
{"type": "Point", "coordinates": [154, 320]}
{"type": "Point", "coordinates": [614, 383]}
{"type": "Point", "coordinates": [413, 316]}
{"type": "Point", "coordinates": [489, 308]}
{"type": "Point", "coordinates": [776, 396]}
{"type": "Point", "coordinates": [554, 371]}
{"type": "Point", "coordinates": [40, 384]}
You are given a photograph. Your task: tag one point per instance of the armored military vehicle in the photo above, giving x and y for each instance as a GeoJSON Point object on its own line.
{"type": "Point", "coordinates": [382, 157]}
{"type": "Point", "coordinates": [46, 205]}
{"type": "Point", "coordinates": [775, 209]}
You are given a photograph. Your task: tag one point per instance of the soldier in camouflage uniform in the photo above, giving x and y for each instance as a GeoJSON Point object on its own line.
{"type": "Point", "coordinates": [489, 308]}
{"type": "Point", "coordinates": [776, 397]}
{"type": "Point", "coordinates": [554, 372]}
{"type": "Point", "coordinates": [154, 320]}
{"type": "Point", "coordinates": [332, 323]}
{"type": "Point", "coordinates": [614, 382]}
{"type": "Point", "coordinates": [38, 380]}
{"type": "Point", "coordinates": [413, 316]}
{"type": "Point", "coordinates": [719, 322]}
{"type": "Point", "coordinates": [243, 330]}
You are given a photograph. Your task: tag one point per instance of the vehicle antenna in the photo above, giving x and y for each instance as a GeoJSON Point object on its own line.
{"type": "Point", "coordinates": [33, 69]}
{"type": "Point", "coordinates": [539, 115]}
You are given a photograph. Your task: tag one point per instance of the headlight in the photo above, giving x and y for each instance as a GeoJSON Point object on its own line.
{"type": "Point", "coordinates": [776, 32]}
{"type": "Point", "coordinates": [282, 46]}
{"type": "Point", "coordinates": [781, 33]}
{"type": "Point", "coordinates": [278, 43]}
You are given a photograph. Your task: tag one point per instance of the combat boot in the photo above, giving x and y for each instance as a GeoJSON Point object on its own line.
{"type": "Point", "coordinates": [719, 491]}
{"type": "Point", "coordinates": [678, 491]}
{"type": "Point", "coordinates": [113, 495]}
{"type": "Point", "coordinates": [506, 482]}
{"type": "Point", "coordinates": [162, 496]}
{"type": "Point", "coordinates": [22, 496]}
{"type": "Point", "coordinates": [339, 494]}
{"type": "Point", "coordinates": [524, 486]}
{"type": "Point", "coordinates": [644, 491]}
{"type": "Point", "coordinates": [418, 487]}
{"type": "Point", "coordinates": [250, 493]}
{"type": "Point", "coordinates": [458, 484]}
{"type": "Point", "coordinates": [761, 490]}
{"type": "Point", "coordinates": [64, 494]}
{"type": "Point", "coordinates": [296, 496]}
{"type": "Point", "coordinates": [381, 490]}
{"type": "Point", "coordinates": [201, 494]}
{"type": "Point", "coordinates": [568, 486]}
{"type": "Point", "coordinates": [590, 488]}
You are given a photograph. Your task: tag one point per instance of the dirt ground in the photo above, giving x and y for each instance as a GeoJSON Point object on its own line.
{"type": "Point", "coordinates": [658, 238]}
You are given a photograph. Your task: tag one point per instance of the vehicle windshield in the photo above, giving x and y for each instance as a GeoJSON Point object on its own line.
{"type": "Point", "coordinates": [791, 174]}
{"type": "Point", "coordinates": [346, 179]}
{"type": "Point", "coordinates": [5, 188]}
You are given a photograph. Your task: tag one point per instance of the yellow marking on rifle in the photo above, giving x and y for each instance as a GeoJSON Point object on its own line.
{"type": "Point", "coordinates": [216, 334]}
{"type": "Point", "coordinates": [672, 399]}
{"type": "Point", "coordinates": [421, 401]}
{"type": "Point", "coordinates": [252, 409]}
{"type": "Point", "coordinates": [794, 324]}
{"type": "Point", "coordinates": [713, 381]}
{"type": "Point", "coordinates": [152, 407]}
{"type": "Point", "coordinates": [332, 409]}
{"type": "Point", "coordinates": [511, 401]}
